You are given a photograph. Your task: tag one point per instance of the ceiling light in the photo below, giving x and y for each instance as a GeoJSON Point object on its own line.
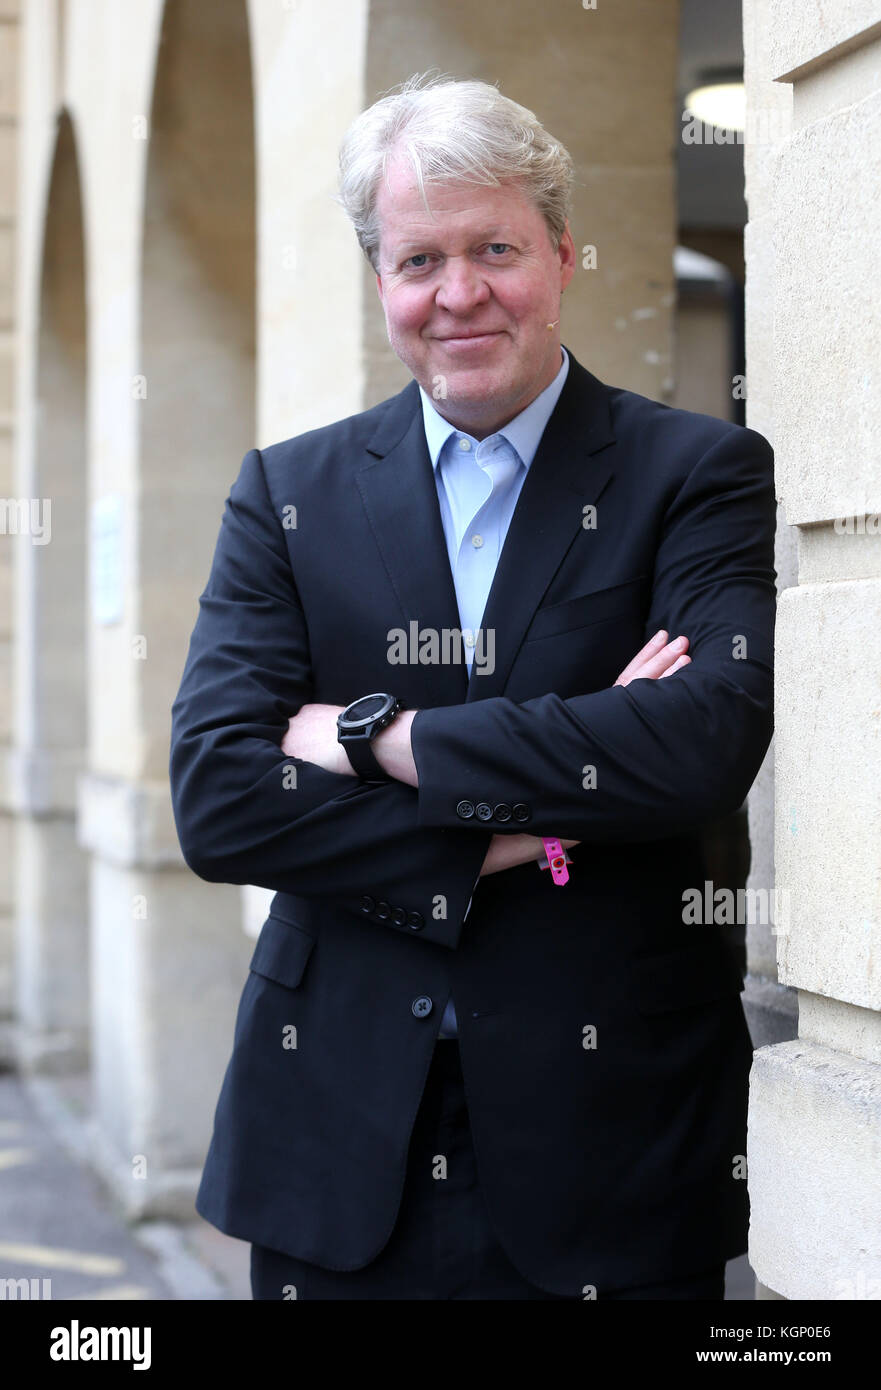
{"type": "Point", "coordinates": [719, 100]}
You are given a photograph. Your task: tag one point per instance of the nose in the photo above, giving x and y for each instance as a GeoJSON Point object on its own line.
{"type": "Point", "coordinates": [462, 286]}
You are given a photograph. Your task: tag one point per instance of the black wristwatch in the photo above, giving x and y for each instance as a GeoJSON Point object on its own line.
{"type": "Point", "coordinates": [358, 724]}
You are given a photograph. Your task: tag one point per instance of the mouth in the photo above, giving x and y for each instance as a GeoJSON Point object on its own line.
{"type": "Point", "coordinates": [469, 341]}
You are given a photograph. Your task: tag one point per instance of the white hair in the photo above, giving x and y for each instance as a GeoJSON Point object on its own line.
{"type": "Point", "coordinates": [451, 131]}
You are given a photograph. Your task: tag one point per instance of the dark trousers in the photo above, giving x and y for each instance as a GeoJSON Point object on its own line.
{"type": "Point", "coordinates": [443, 1245]}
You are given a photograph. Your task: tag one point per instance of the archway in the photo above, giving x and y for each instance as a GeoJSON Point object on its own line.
{"type": "Point", "coordinates": [51, 672]}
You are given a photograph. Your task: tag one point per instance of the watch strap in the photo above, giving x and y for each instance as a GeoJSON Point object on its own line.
{"type": "Point", "coordinates": [363, 760]}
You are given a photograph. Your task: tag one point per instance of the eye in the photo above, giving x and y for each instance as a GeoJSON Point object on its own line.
{"type": "Point", "coordinates": [420, 256]}
{"type": "Point", "coordinates": [501, 246]}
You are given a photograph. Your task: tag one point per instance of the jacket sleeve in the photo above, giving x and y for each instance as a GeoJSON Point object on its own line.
{"type": "Point", "coordinates": [656, 757]}
{"type": "Point", "coordinates": [244, 811]}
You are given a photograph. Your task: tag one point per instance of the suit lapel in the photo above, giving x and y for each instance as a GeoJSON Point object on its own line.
{"type": "Point", "coordinates": [400, 500]}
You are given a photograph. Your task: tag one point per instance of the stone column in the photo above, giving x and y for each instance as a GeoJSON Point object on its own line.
{"type": "Point", "coordinates": [9, 100]}
{"type": "Point", "coordinates": [163, 106]}
{"type": "Point", "coordinates": [815, 375]}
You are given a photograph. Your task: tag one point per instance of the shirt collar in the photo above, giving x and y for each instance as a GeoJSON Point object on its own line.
{"type": "Point", "coordinates": [524, 432]}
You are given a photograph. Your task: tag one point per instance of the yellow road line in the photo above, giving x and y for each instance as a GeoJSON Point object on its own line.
{"type": "Point", "coordinates": [120, 1291]}
{"type": "Point", "coordinates": [11, 1158]}
{"type": "Point", "coordinates": [52, 1258]}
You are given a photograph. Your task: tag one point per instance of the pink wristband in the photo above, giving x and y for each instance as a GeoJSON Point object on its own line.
{"type": "Point", "coordinates": [557, 859]}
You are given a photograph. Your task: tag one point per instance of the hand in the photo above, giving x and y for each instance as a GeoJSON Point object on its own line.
{"type": "Point", "coordinates": [507, 851]}
{"type": "Point", "coordinates": [312, 736]}
{"type": "Point", "coordinates": [657, 659]}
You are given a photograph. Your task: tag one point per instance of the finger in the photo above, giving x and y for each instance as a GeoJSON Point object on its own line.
{"type": "Point", "coordinates": [655, 666]}
{"type": "Point", "coordinates": [683, 661]}
{"type": "Point", "coordinates": [652, 646]}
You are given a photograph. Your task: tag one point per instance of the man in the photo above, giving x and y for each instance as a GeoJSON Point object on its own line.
{"type": "Point", "coordinates": [453, 1076]}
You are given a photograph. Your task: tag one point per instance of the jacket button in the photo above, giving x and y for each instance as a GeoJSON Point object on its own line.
{"type": "Point", "coordinates": [367, 903]}
{"type": "Point", "coordinates": [502, 812]}
{"type": "Point", "coordinates": [484, 810]}
{"type": "Point", "coordinates": [383, 911]}
{"type": "Point", "coordinates": [521, 811]}
{"type": "Point", "coordinates": [465, 810]}
{"type": "Point", "coordinates": [422, 1006]}
{"type": "Point", "coordinates": [399, 916]}
{"type": "Point", "coordinates": [415, 921]}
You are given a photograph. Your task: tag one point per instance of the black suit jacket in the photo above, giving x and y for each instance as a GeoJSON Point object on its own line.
{"type": "Point", "coordinates": [608, 1158]}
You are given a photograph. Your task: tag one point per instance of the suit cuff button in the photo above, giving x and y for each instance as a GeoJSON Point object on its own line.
{"type": "Point", "coordinates": [415, 921]}
{"type": "Point", "coordinates": [465, 810]}
{"type": "Point", "coordinates": [367, 904]}
{"type": "Point", "coordinates": [399, 916]}
{"type": "Point", "coordinates": [484, 810]}
{"type": "Point", "coordinates": [521, 811]}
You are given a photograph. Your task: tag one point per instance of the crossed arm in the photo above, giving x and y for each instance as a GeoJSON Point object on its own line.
{"type": "Point", "coordinates": [668, 755]}
{"type": "Point", "coordinates": [312, 736]}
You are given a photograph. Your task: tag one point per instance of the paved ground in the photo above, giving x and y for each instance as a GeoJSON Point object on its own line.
{"type": "Point", "coordinates": [59, 1222]}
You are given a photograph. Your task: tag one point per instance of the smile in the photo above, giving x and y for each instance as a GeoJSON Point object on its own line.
{"type": "Point", "coordinates": [470, 344]}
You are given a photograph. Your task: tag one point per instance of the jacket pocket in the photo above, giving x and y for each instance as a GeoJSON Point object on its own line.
{"type": "Point", "coordinates": [282, 951]}
{"type": "Point", "coordinates": [584, 609]}
{"type": "Point", "coordinates": [686, 977]}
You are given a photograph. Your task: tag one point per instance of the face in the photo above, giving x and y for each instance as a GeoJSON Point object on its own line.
{"type": "Point", "coordinates": [468, 294]}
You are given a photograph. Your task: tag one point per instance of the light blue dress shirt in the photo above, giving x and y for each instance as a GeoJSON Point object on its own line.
{"type": "Point", "coordinates": [478, 483]}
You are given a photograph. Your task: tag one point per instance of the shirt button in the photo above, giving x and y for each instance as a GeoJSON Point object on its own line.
{"type": "Point", "coordinates": [422, 1006]}
{"type": "Point", "coordinates": [465, 445]}
{"type": "Point", "coordinates": [477, 541]}
{"type": "Point", "coordinates": [465, 810]}
{"type": "Point", "coordinates": [468, 637]}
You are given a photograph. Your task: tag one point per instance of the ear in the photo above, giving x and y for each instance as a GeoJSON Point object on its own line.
{"type": "Point", "coordinates": [568, 258]}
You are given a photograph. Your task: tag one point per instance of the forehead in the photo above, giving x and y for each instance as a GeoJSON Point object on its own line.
{"type": "Point", "coordinates": [455, 209]}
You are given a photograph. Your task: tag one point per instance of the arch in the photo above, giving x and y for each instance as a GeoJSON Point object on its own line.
{"type": "Point", "coordinates": [194, 396]}
{"type": "Point", "coordinates": [52, 729]}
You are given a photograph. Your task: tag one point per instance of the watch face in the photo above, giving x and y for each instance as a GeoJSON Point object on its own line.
{"type": "Point", "coordinates": [365, 709]}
